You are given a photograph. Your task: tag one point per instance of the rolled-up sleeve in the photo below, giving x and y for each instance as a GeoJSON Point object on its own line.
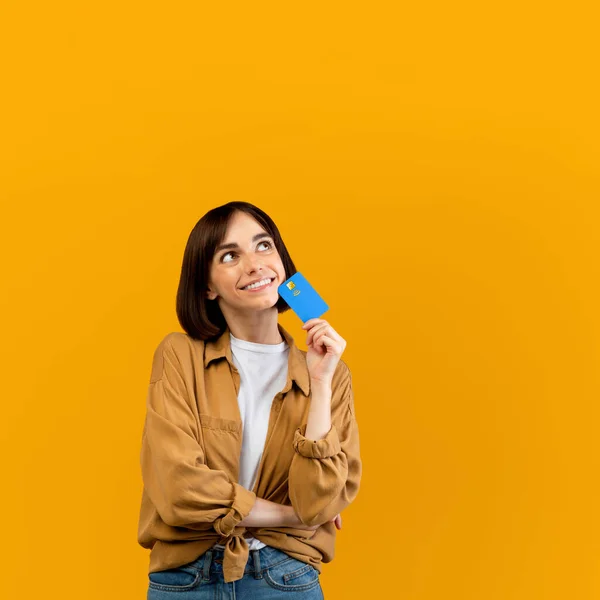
{"type": "Point", "coordinates": [184, 490]}
{"type": "Point", "coordinates": [324, 475]}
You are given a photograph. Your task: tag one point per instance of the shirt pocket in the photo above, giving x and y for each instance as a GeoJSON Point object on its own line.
{"type": "Point", "coordinates": [222, 442]}
{"type": "Point", "coordinates": [220, 424]}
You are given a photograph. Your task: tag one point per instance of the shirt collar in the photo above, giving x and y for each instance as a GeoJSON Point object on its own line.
{"type": "Point", "coordinates": [220, 347]}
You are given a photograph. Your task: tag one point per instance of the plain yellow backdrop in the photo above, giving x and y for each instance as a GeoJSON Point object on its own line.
{"type": "Point", "coordinates": [433, 169]}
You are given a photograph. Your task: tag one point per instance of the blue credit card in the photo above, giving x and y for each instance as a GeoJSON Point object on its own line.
{"type": "Point", "coordinates": [302, 297]}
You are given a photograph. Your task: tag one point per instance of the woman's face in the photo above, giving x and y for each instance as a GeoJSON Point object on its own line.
{"type": "Point", "coordinates": [250, 260]}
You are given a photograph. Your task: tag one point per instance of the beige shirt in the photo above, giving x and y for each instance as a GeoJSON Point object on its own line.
{"type": "Point", "coordinates": [190, 452]}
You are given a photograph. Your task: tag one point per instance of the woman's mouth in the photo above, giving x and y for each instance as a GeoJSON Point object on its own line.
{"type": "Point", "coordinates": [264, 286]}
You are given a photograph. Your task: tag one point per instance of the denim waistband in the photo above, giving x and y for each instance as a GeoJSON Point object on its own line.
{"type": "Point", "coordinates": [258, 560]}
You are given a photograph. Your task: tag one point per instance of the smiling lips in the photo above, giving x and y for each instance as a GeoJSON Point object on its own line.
{"type": "Point", "coordinates": [262, 287]}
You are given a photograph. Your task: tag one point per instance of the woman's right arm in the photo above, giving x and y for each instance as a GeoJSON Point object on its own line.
{"type": "Point", "coordinates": [265, 513]}
{"type": "Point", "coordinates": [182, 488]}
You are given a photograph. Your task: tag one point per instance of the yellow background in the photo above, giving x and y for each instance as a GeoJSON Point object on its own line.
{"type": "Point", "coordinates": [433, 168]}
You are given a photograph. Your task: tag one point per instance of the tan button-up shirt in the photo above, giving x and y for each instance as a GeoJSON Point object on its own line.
{"type": "Point", "coordinates": [190, 452]}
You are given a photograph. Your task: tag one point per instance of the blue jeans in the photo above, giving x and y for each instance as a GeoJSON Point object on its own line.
{"type": "Point", "coordinates": [269, 574]}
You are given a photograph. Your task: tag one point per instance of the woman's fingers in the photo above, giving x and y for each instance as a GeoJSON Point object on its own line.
{"type": "Point", "coordinates": [322, 328]}
{"type": "Point", "coordinates": [337, 520]}
{"type": "Point", "coordinates": [311, 336]}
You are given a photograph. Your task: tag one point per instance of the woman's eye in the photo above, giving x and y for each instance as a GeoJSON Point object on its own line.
{"type": "Point", "coordinates": [228, 253]}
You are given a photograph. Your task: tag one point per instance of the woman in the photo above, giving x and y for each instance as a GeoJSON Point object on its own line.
{"type": "Point", "coordinates": [250, 447]}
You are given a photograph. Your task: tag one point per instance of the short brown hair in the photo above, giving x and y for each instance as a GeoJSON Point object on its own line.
{"type": "Point", "coordinates": [200, 317]}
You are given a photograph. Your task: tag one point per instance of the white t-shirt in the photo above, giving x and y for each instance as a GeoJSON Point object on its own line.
{"type": "Point", "coordinates": [263, 374]}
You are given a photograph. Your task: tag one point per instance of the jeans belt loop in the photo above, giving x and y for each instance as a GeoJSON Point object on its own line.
{"type": "Point", "coordinates": [257, 570]}
{"type": "Point", "coordinates": [206, 566]}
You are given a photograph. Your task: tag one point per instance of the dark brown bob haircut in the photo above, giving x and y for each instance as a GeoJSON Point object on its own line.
{"type": "Point", "coordinates": [200, 317]}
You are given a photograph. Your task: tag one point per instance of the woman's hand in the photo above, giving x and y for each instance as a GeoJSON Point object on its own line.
{"type": "Point", "coordinates": [325, 348]}
{"type": "Point", "coordinates": [337, 520]}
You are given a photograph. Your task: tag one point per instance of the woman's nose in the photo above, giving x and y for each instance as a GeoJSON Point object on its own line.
{"type": "Point", "coordinates": [253, 264]}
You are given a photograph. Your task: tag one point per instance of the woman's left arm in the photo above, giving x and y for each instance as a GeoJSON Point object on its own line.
{"type": "Point", "coordinates": [326, 468]}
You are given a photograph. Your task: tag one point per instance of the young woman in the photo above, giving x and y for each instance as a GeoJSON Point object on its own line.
{"type": "Point", "coordinates": [250, 448]}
